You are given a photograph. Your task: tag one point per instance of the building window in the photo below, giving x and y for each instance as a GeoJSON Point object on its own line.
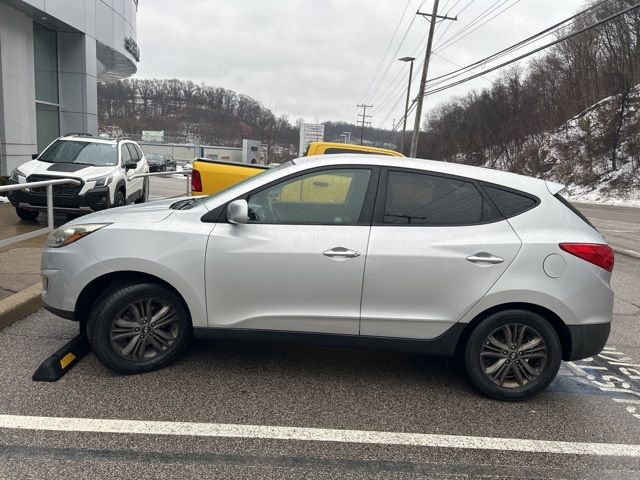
{"type": "Point", "coordinates": [45, 51]}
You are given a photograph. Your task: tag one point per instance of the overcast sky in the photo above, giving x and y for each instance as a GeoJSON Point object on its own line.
{"type": "Point", "coordinates": [315, 59]}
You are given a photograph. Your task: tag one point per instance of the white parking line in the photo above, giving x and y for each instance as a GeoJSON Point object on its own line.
{"type": "Point", "coordinates": [94, 425]}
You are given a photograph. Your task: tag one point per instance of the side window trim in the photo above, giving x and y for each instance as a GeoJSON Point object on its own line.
{"type": "Point", "coordinates": [381, 198]}
{"type": "Point", "coordinates": [366, 214]}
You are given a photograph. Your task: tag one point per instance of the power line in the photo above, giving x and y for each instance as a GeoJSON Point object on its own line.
{"type": "Point", "coordinates": [536, 50]}
{"type": "Point", "coordinates": [388, 48]}
{"type": "Point", "coordinates": [450, 42]}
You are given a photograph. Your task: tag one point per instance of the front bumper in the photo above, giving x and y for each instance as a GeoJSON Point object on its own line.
{"type": "Point", "coordinates": [66, 271]}
{"type": "Point", "coordinates": [93, 200]}
{"type": "Point", "coordinates": [587, 340]}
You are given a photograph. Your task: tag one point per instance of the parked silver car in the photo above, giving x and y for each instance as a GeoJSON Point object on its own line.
{"type": "Point", "coordinates": [369, 251]}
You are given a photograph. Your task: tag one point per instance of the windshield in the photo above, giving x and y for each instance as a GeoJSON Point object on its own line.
{"type": "Point", "coordinates": [155, 156]}
{"type": "Point", "coordinates": [265, 173]}
{"type": "Point", "coordinates": [86, 153]}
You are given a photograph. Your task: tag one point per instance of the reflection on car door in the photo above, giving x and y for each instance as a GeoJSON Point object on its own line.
{"type": "Point", "coordinates": [136, 156]}
{"type": "Point", "coordinates": [298, 264]}
{"type": "Point", "coordinates": [437, 246]}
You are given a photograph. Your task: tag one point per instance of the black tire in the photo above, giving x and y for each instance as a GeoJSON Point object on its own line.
{"type": "Point", "coordinates": [527, 375]}
{"type": "Point", "coordinates": [102, 329]}
{"type": "Point", "coordinates": [28, 215]}
{"type": "Point", "coordinates": [118, 199]}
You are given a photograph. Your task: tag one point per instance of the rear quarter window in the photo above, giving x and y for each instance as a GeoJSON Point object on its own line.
{"type": "Point", "coordinates": [509, 202]}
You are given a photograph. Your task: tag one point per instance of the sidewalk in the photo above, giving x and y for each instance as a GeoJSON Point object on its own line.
{"type": "Point", "coordinates": [20, 262]}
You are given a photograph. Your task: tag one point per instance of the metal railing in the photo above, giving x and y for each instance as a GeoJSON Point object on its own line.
{"type": "Point", "coordinates": [186, 172]}
{"type": "Point", "coordinates": [25, 186]}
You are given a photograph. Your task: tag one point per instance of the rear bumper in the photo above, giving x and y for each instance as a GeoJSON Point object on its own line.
{"type": "Point", "coordinates": [587, 340]}
{"type": "Point", "coordinates": [92, 201]}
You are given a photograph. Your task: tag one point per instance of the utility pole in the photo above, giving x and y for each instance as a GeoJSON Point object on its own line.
{"type": "Point", "coordinates": [425, 70]}
{"type": "Point", "coordinates": [362, 119]}
{"type": "Point", "coordinates": [406, 107]}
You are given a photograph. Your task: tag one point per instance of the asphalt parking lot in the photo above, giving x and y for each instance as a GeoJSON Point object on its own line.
{"type": "Point", "coordinates": [245, 410]}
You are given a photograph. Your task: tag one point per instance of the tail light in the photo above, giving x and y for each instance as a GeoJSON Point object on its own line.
{"type": "Point", "coordinates": [196, 181]}
{"type": "Point", "coordinates": [599, 254]}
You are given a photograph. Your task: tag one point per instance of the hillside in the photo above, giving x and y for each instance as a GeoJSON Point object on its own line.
{"type": "Point", "coordinates": [596, 153]}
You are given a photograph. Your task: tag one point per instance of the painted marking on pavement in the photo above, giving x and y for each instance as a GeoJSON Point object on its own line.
{"type": "Point", "coordinates": [93, 425]}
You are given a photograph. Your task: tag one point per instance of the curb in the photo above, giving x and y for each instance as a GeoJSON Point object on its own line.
{"type": "Point", "coordinates": [20, 305]}
{"type": "Point", "coordinates": [627, 253]}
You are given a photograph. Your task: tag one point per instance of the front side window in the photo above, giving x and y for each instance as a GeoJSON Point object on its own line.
{"type": "Point", "coordinates": [332, 197]}
{"type": "Point", "coordinates": [85, 153]}
{"type": "Point", "coordinates": [126, 155]}
{"type": "Point", "coordinates": [423, 199]}
{"type": "Point", "coordinates": [133, 152]}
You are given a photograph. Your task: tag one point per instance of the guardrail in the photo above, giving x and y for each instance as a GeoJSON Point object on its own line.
{"type": "Point", "coordinates": [185, 171]}
{"type": "Point", "coordinates": [23, 186]}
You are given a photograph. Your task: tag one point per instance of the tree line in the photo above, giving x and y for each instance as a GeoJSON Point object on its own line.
{"type": "Point", "coordinates": [212, 116]}
{"type": "Point", "coordinates": [506, 125]}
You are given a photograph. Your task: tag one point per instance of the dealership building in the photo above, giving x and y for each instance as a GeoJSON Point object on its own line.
{"type": "Point", "coordinates": [52, 54]}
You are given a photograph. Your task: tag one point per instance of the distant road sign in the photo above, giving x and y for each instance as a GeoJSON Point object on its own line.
{"type": "Point", "coordinates": [310, 132]}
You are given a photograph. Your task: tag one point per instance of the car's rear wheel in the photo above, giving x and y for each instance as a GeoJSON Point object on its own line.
{"type": "Point", "coordinates": [28, 215]}
{"type": "Point", "coordinates": [138, 328]}
{"type": "Point", "coordinates": [513, 355]}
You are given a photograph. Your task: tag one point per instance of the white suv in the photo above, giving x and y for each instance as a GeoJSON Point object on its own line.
{"type": "Point", "coordinates": [104, 166]}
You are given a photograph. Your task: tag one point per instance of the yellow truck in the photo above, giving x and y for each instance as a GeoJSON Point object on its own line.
{"type": "Point", "coordinates": [211, 176]}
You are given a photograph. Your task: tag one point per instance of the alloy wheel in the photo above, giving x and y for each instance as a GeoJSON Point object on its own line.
{"type": "Point", "coordinates": [144, 330]}
{"type": "Point", "coordinates": [513, 355]}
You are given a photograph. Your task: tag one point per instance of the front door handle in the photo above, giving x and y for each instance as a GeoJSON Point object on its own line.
{"type": "Point", "coordinates": [341, 253]}
{"type": "Point", "coordinates": [483, 257]}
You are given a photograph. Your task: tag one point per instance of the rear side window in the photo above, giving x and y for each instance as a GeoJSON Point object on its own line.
{"type": "Point", "coordinates": [423, 199]}
{"type": "Point", "coordinates": [509, 202]}
{"type": "Point", "coordinates": [570, 206]}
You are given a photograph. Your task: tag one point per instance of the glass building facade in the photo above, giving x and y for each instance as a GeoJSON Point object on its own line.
{"type": "Point", "coordinates": [52, 54]}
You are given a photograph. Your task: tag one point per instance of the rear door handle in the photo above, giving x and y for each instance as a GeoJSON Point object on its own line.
{"type": "Point", "coordinates": [341, 253]}
{"type": "Point", "coordinates": [483, 257]}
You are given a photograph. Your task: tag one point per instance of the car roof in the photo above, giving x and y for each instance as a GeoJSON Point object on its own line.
{"type": "Point", "coordinates": [512, 180]}
{"type": "Point", "coordinates": [90, 139]}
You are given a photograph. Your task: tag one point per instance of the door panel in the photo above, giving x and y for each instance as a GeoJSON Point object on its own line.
{"type": "Point", "coordinates": [418, 281]}
{"type": "Point", "coordinates": [276, 277]}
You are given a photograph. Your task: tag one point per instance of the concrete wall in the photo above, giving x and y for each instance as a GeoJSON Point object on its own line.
{"type": "Point", "coordinates": [17, 89]}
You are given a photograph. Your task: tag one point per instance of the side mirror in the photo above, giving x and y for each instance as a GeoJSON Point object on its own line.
{"type": "Point", "coordinates": [130, 165]}
{"type": "Point", "coordinates": [35, 156]}
{"type": "Point", "coordinates": [238, 212]}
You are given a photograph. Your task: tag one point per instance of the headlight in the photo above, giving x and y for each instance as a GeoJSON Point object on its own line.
{"type": "Point", "coordinates": [16, 174]}
{"type": "Point", "coordinates": [101, 181]}
{"type": "Point", "coordinates": [67, 235]}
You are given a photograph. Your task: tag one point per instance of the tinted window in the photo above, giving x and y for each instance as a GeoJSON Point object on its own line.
{"type": "Point", "coordinates": [326, 197]}
{"type": "Point", "coordinates": [421, 199]}
{"type": "Point", "coordinates": [510, 203]}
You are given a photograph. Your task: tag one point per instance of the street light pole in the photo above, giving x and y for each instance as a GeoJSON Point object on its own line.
{"type": "Point", "coordinates": [406, 107]}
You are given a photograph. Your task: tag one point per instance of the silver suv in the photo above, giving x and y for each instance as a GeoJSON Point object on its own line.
{"type": "Point", "coordinates": [367, 251]}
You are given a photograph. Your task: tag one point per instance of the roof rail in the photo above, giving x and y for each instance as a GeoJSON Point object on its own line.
{"type": "Point", "coordinates": [78, 134]}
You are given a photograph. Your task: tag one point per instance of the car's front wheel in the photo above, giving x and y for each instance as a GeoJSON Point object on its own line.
{"type": "Point", "coordinates": [28, 215]}
{"type": "Point", "coordinates": [138, 328]}
{"type": "Point", "coordinates": [513, 355]}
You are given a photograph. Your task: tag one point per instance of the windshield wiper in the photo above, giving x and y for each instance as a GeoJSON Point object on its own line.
{"type": "Point", "coordinates": [183, 204]}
